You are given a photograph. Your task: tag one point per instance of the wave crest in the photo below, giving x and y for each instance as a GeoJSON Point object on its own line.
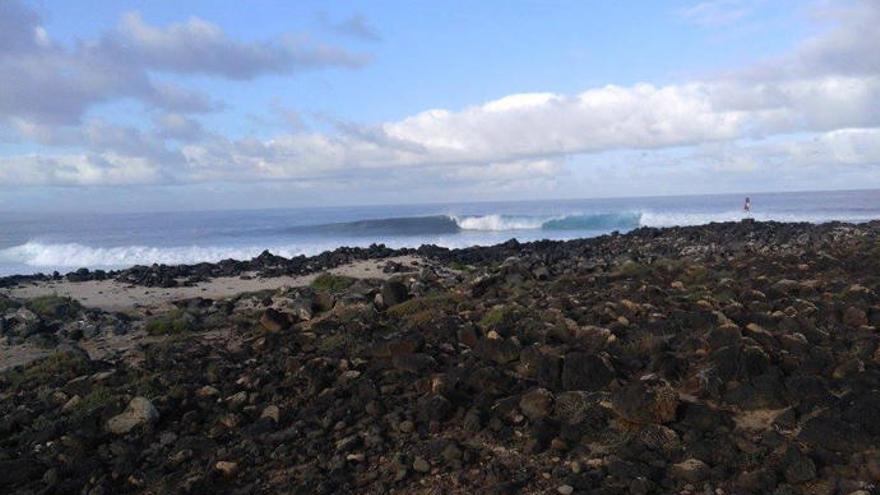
{"type": "Point", "coordinates": [591, 221]}
{"type": "Point", "coordinates": [497, 222]}
{"type": "Point", "coordinates": [37, 254]}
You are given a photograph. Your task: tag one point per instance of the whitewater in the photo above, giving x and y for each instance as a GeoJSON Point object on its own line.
{"type": "Point", "coordinates": [39, 242]}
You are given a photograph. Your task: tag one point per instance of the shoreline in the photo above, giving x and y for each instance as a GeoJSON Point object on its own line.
{"type": "Point", "coordinates": [269, 265]}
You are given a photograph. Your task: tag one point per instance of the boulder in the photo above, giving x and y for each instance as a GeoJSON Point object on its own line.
{"type": "Point", "coordinates": [577, 407]}
{"type": "Point", "coordinates": [536, 403]}
{"type": "Point", "coordinates": [227, 468]}
{"type": "Point", "coordinates": [854, 317]}
{"type": "Point", "coordinates": [645, 401]}
{"type": "Point", "coordinates": [724, 335]}
{"type": "Point", "coordinates": [690, 471]}
{"type": "Point", "coordinates": [499, 349]}
{"type": "Point", "coordinates": [798, 468]}
{"type": "Point", "coordinates": [416, 363]}
{"type": "Point", "coordinates": [140, 411]}
{"type": "Point", "coordinates": [394, 292]}
{"type": "Point", "coordinates": [273, 320]}
{"type": "Point", "coordinates": [583, 371]}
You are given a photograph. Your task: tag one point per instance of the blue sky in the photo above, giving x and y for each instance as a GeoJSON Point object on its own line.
{"type": "Point", "coordinates": [200, 105]}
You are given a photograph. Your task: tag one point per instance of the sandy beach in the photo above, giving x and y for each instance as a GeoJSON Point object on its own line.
{"type": "Point", "coordinates": [110, 295]}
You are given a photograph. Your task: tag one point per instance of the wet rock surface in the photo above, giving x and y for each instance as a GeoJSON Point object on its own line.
{"type": "Point", "coordinates": [728, 358]}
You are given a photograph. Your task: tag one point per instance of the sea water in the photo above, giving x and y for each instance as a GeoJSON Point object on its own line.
{"type": "Point", "coordinates": [40, 242]}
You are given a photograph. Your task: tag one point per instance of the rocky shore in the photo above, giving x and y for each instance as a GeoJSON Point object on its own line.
{"type": "Point", "coordinates": [718, 359]}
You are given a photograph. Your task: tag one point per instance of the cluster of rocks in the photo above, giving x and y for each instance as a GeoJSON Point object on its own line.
{"type": "Point", "coordinates": [51, 320]}
{"type": "Point", "coordinates": [724, 359]}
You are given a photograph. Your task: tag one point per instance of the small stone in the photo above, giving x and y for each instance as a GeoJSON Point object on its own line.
{"type": "Point", "coordinates": [227, 468]}
{"type": "Point", "coordinates": [558, 444]}
{"type": "Point", "coordinates": [207, 391]}
{"type": "Point", "coordinates": [537, 403]}
{"type": "Point", "coordinates": [645, 401]}
{"type": "Point", "coordinates": [400, 473]}
{"type": "Point", "coordinates": [451, 453]}
{"type": "Point", "coordinates": [273, 320]}
{"type": "Point", "coordinates": [565, 489]}
{"type": "Point", "coordinates": [854, 317]}
{"type": "Point", "coordinates": [272, 412]}
{"type": "Point", "coordinates": [421, 465]}
{"type": "Point", "coordinates": [586, 371]}
{"type": "Point", "coordinates": [139, 411]}
{"type": "Point", "coordinates": [416, 363]}
{"type": "Point", "coordinates": [691, 470]}
{"type": "Point", "coordinates": [406, 426]}
{"type": "Point", "coordinates": [50, 477]}
{"type": "Point", "coordinates": [71, 404]}
{"type": "Point", "coordinates": [799, 468]}
{"type": "Point", "coordinates": [238, 399]}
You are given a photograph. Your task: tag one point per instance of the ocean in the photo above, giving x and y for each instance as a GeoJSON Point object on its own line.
{"type": "Point", "coordinates": [39, 242]}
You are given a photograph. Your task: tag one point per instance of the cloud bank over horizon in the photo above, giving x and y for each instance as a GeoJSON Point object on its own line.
{"type": "Point", "coordinates": [813, 107]}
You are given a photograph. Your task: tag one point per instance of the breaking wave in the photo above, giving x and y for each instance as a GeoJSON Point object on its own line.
{"type": "Point", "coordinates": [451, 224]}
{"type": "Point", "coordinates": [37, 254]}
{"type": "Point", "coordinates": [443, 230]}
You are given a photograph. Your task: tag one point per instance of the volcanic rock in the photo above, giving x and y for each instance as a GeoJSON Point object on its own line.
{"type": "Point", "coordinates": [140, 411]}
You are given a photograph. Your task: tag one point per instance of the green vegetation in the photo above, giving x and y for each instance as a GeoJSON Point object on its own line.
{"type": "Point", "coordinates": [332, 283]}
{"type": "Point", "coordinates": [245, 320]}
{"type": "Point", "coordinates": [7, 304]}
{"type": "Point", "coordinates": [437, 303]}
{"type": "Point", "coordinates": [423, 310]}
{"type": "Point", "coordinates": [147, 386]}
{"type": "Point", "coordinates": [99, 397]}
{"type": "Point", "coordinates": [696, 275]}
{"type": "Point", "coordinates": [633, 269]}
{"type": "Point", "coordinates": [174, 322]}
{"type": "Point", "coordinates": [62, 365]}
{"type": "Point", "coordinates": [493, 318]}
{"type": "Point", "coordinates": [461, 267]}
{"type": "Point", "coordinates": [53, 306]}
{"type": "Point", "coordinates": [333, 342]}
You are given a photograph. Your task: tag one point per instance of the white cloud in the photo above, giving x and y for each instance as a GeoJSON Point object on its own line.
{"type": "Point", "coordinates": [48, 83]}
{"type": "Point", "coordinates": [828, 90]}
{"type": "Point", "coordinates": [356, 26]}
{"type": "Point", "coordinates": [77, 170]}
{"type": "Point", "coordinates": [179, 127]}
{"type": "Point", "coordinates": [198, 46]}
{"type": "Point", "coordinates": [713, 13]}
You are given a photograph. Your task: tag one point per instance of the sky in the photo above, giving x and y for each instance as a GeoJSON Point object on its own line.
{"type": "Point", "coordinates": [161, 105]}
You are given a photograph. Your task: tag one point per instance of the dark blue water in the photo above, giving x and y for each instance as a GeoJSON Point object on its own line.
{"type": "Point", "coordinates": [39, 242]}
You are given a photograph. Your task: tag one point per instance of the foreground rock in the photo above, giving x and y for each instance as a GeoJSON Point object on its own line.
{"type": "Point", "coordinates": [140, 412]}
{"type": "Point", "coordinates": [731, 358]}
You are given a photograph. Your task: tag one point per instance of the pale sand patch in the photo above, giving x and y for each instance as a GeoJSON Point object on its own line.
{"type": "Point", "coordinates": [110, 295]}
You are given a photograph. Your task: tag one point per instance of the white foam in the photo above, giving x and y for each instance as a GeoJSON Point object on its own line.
{"type": "Point", "coordinates": [673, 219]}
{"type": "Point", "coordinates": [499, 222]}
{"type": "Point", "coordinates": [37, 254]}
